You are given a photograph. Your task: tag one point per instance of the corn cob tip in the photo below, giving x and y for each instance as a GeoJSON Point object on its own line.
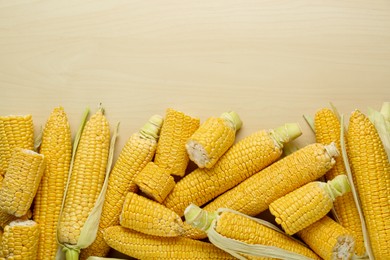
{"type": "Point", "coordinates": [199, 218]}
{"type": "Point", "coordinates": [151, 129]}
{"type": "Point", "coordinates": [286, 133]}
{"type": "Point", "coordinates": [338, 186]}
{"type": "Point", "coordinates": [233, 118]}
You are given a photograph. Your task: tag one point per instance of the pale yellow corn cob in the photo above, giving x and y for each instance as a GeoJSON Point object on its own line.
{"type": "Point", "coordinates": [329, 239]}
{"type": "Point", "coordinates": [254, 195]}
{"type": "Point", "coordinates": [371, 175]}
{"type": "Point", "coordinates": [15, 131]}
{"type": "Point", "coordinates": [213, 138]}
{"type": "Point", "coordinates": [238, 227]}
{"type": "Point", "coordinates": [142, 246]}
{"type": "Point", "coordinates": [171, 153]}
{"type": "Point", "coordinates": [20, 183]}
{"type": "Point", "coordinates": [86, 178]}
{"type": "Point", "coordinates": [56, 146]}
{"type": "Point", "coordinates": [135, 155]}
{"type": "Point", "coordinates": [242, 160]}
{"type": "Point", "coordinates": [150, 217]}
{"type": "Point", "coordinates": [327, 130]}
{"type": "Point", "coordinates": [307, 204]}
{"type": "Point", "coordinates": [155, 182]}
{"type": "Point", "coordinates": [20, 240]}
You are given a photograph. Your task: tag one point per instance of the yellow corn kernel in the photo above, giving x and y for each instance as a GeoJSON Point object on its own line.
{"type": "Point", "coordinates": [149, 217]}
{"type": "Point", "coordinates": [155, 182]}
{"type": "Point", "coordinates": [15, 131]}
{"type": "Point", "coordinates": [371, 175]}
{"type": "Point", "coordinates": [86, 178]}
{"type": "Point", "coordinates": [20, 183]}
{"type": "Point", "coordinates": [327, 130]}
{"type": "Point", "coordinates": [307, 204]}
{"type": "Point", "coordinates": [329, 239]}
{"type": "Point", "coordinates": [143, 246]}
{"type": "Point", "coordinates": [56, 146]}
{"type": "Point", "coordinates": [135, 155]}
{"type": "Point", "coordinates": [20, 240]}
{"type": "Point", "coordinates": [213, 138]}
{"type": "Point", "coordinates": [171, 153]}
{"type": "Point", "coordinates": [242, 160]}
{"type": "Point", "coordinates": [224, 225]}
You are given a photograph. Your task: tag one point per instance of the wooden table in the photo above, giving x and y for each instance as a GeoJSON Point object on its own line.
{"type": "Point", "coordinates": [270, 61]}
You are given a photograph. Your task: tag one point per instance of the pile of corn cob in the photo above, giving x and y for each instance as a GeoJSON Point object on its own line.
{"type": "Point", "coordinates": [62, 199]}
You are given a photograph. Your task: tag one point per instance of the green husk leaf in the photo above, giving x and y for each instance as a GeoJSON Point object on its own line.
{"type": "Point", "coordinates": [90, 228]}
{"type": "Point", "coordinates": [38, 140]}
{"type": "Point", "coordinates": [354, 192]}
{"type": "Point", "coordinates": [381, 121]}
{"type": "Point", "coordinates": [310, 121]}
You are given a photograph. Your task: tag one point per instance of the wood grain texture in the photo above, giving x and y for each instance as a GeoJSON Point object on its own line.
{"type": "Point", "coordinates": [270, 61]}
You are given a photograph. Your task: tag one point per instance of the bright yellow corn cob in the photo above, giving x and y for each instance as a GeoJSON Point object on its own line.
{"type": "Point", "coordinates": [15, 131]}
{"type": "Point", "coordinates": [307, 204]}
{"type": "Point", "coordinates": [86, 178]}
{"type": "Point", "coordinates": [56, 146]}
{"type": "Point", "coordinates": [213, 138]}
{"type": "Point", "coordinates": [150, 217]}
{"type": "Point", "coordinates": [329, 239]}
{"type": "Point", "coordinates": [171, 153]}
{"type": "Point", "coordinates": [243, 229]}
{"type": "Point", "coordinates": [20, 240]}
{"type": "Point", "coordinates": [142, 246]}
{"type": "Point", "coordinates": [242, 160]}
{"type": "Point", "coordinates": [135, 155]}
{"type": "Point", "coordinates": [254, 195]}
{"type": "Point", "coordinates": [20, 183]}
{"type": "Point", "coordinates": [327, 130]}
{"type": "Point", "coordinates": [371, 175]}
{"type": "Point", "coordinates": [155, 182]}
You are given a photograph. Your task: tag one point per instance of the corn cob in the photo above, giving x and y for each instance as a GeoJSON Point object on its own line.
{"type": "Point", "coordinates": [229, 230]}
{"type": "Point", "coordinates": [171, 153]}
{"type": "Point", "coordinates": [371, 176]}
{"type": "Point", "coordinates": [142, 246]}
{"type": "Point", "coordinates": [20, 183]}
{"type": "Point", "coordinates": [20, 240]}
{"type": "Point", "coordinates": [327, 130]}
{"type": "Point", "coordinates": [155, 182]}
{"type": "Point", "coordinates": [213, 138]}
{"type": "Point", "coordinates": [307, 204]}
{"type": "Point", "coordinates": [56, 146]}
{"type": "Point", "coordinates": [329, 239]}
{"type": "Point", "coordinates": [86, 180]}
{"type": "Point", "coordinates": [135, 155]}
{"type": "Point", "coordinates": [242, 160]}
{"type": "Point", "coordinates": [15, 131]}
{"type": "Point", "coordinates": [254, 195]}
{"type": "Point", "coordinates": [149, 217]}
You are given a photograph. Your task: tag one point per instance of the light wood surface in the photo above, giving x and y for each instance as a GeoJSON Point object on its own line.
{"type": "Point", "coordinates": [270, 61]}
